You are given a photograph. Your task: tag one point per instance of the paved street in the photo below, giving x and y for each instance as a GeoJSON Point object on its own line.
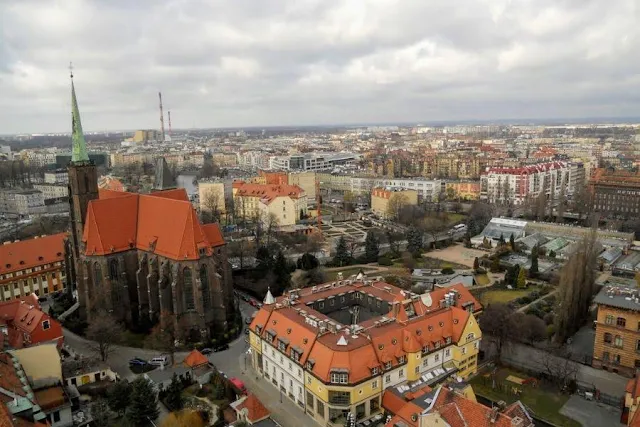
{"type": "Point", "coordinates": [590, 413]}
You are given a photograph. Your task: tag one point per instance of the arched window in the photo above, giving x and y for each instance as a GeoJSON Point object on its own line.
{"type": "Point", "coordinates": [113, 269]}
{"type": "Point", "coordinates": [471, 336]}
{"type": "Point", "coordinates": [97, 275]}
{"type": "Point", "coordinates": [187, 278]}
{"type": "Point", "coordinates": [204, 282]}
{"type": "Point", "coordinates": [618, 341]}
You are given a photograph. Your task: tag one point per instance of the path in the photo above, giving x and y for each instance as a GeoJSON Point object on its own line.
{"type": "Point", "coordinates": [525, 307]}
{"type": "Point", "coordinates": [590, 413]}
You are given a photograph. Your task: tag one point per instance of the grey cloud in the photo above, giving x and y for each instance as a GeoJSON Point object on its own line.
{"type": "Point", "coordinates": [247, 62]}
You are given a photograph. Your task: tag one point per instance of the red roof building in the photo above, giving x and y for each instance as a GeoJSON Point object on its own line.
{"type": "Point", "coordinates": [28, 325]}
{"type": "Point", "coordinates": [250, 409]}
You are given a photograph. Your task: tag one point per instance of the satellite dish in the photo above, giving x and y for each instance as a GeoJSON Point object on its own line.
{"type": "Point", "coordinates": [426, 299]}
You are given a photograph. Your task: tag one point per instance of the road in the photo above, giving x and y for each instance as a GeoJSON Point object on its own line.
{"type": "Point", "coordinates": [234, 362]}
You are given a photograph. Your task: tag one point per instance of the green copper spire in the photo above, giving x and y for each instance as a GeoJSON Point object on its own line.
{"type": "Point", "coordinates": [79, 151]}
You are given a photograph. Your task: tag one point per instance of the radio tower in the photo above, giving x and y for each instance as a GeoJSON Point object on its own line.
{"type": "Point", "coordinates": [161, 118]}
{"type": "Point", "coordinates": [169, 120]}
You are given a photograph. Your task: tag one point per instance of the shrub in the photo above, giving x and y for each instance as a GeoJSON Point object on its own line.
{"type": "Point", "coordinates": [383, 260]}
{"type": "Point", "coordinates": [551, 329]}
{"type": "Point", "coordinates": [447, 270]}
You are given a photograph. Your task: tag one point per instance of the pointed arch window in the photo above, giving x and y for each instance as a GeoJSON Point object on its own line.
{"type": "Point", "coordinates": [204, 282]}
{"type": "Point", "coordinates": [187, 278]}
{"type": "Point", "coordinates": [97, 275]}
{"type": "Point", "coordinates": [113, 269]}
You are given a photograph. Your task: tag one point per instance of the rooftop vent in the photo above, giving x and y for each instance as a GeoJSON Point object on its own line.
{"type": "Point", "coordinates": [342, 340]}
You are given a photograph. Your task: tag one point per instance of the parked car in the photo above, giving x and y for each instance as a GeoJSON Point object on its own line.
{"type": "Point", "coordinates": [206, 351]}
{"type": "Point", "coordinates": [159, 361]}
{"type": "Point", "coordinates": [136, 361]}
{"type": "Point", "coordinates": [222, 347]}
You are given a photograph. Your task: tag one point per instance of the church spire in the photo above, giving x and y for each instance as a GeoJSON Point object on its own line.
{"type": "Point", "coordinates": [79, 150]}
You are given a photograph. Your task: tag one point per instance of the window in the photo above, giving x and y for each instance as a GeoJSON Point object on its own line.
{"type": "Point", "coordinates": [113, 269]}
{"type": "Point", "coordinates": [56, 416]}
{"type": "Point", "coordinates": [608, 338]}
{"type": "Point", "coordinates": [374, 384]}
{"type": "Point", "coordinates": [45, 325]}
{"type": "Point", "coordinates": [402, 359]}
{"type": "Point", "coordinates": [425, 362]}
{"type": "Point", "coordinates": [97, 275]}
{"type": "Point", "coordinates": [447, 353]}
{"type": "Point", "coordinates": [387, 365]}
{"type": "Point", "coordinates": [621, 322]}
{"type": "Point", "coordinates": [204, 283]}
{"type": "Point", "coordinates": [417, 370]}
{"type": "Point", "coordinates": [618, 341]}
{"type": "Point", "coordinates": [187, 279]}
{"type": "Point", "coordinates": [340, 397]}
{"type": "Point", "coordinates": [605, 356]}
{"type": "Point", "coordinates": [339, 378]}
{"type": "Point", "coordinates": [609, 319]}
{"type": "Point", "coordinates": [282, 346]}
{"type": "Point", "coordinates": [638, 345]}
{"type": "Point", "coordinates": [470, 336]}
{"type": "Point", "coordinates": [464, 350]}
{"type": "Point", "coordinates": [401, 373]}
{"type": "Point", "coordinates": [309, 400]}
{"type": "Point", "coordinates": [374, 371]}
{"type": "Point", "coordinates": [320, 408]}
{"type": "Point", "coordinates": [387, 378]}
{"type": "Point", "coordinates": [437, 357]}
{"type": "Point", "coordinates": [636, 363]}
{"type": "Point", "coordinates": [425, 349]}
{"type": "Point", "coordinates": [448, 340]}
{"type": "Point", "coordinates": [616, 359]}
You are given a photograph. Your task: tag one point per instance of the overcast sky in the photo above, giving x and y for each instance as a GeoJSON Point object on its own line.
{"type": "Point", "coordinates": [239, 63]}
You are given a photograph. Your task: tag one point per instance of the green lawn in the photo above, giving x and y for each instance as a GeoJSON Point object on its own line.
{"type": "Point", "coordinates": [544, 403]}
{"type": "Point", "coordinates": [454, 218]}
{"type": "Point", "coordinates": [482, 279]}
{"type": "Point", "coordinates": [504, 295]}
{"type": "Point", "coordinates": [346, 272]}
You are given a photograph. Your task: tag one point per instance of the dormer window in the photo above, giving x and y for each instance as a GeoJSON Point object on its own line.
{"type": "Point", "coordinates": [282, 346]}
{"type": "Point", "coordinates": [425, 349]}
{"type": "Point", "coordinates": [46, 325]}
{"type": "Point", "coordinates": [402, 359]}
{"type": "Point", "coordinates": [374, 370]}
{"type": "Point", "coordinates": [339, 377]}
{"type": "Point", "coordinates": [437, 344]}
{"type": "Point", "coordinates": [387, 365]}
{"type": "Point", "coordinates": [448, 340]}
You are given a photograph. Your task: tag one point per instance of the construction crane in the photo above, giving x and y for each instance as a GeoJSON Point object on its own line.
{"type": "Point", "coordinates": [161, 118]}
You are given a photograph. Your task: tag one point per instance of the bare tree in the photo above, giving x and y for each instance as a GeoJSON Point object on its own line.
{"type": "Point", "coordinates": [104, 332]}
{"type": "Point", "coordinates": [559, 367]}
{"type": "Point", "coordinates": [352, 247]}
{"type": "Point", "coordinates": [396, 202]}
{"type": "Point", "coordinates": [432, 226]}
{"type": "Point", "coordinates": [240, 249]}
{"type": "Point", "coordinates": [211, 205]}
{"type": "Point", "coordinates": [165, 335]}
{"type": "Point", "coordinates": [270, 222]}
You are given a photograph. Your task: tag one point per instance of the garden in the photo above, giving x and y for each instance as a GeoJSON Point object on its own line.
{"type": "Point", "coordinates": [542, 398]}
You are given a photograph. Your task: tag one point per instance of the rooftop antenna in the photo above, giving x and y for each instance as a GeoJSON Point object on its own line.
{"type": "Point", "coordinates": [161, 118]}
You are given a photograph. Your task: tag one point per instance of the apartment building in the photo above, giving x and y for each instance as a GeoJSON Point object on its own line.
{"type": "Point", "coordinates": [615, 193]}
{"type": "Point", "coordinates": [33, 266]}
{"type": "Point", "coordinates": [386, 202]}
{"type": "Point", "coordinates": [617, 338]}
{"type": "Point", "coordinates": [463, 190]}
{"type": "Point", "coordinates": [52, 191]}
{"type": "Point", "coordinates": [516, 185]}
{"type": "Point", "coordinates": [335, 348]}
{"type": "Point", "coordinates": [58, 176]}
{"type": "Point", "coordinates": [285, 203]}
{"type": "Point", "coordinates": [22, 202]}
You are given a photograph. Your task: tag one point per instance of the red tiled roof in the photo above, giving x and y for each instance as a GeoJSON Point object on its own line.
{"type": "Point", "coordinates": [195, 359]}
{"type": "Point", "coordinates": [267, 192]}
{"type": "Point", "coordinates": [255, 409]}
{"type": "Point", "coordinates": [163, 222]}
{"type": "Point", "coordinates": [30, 253]}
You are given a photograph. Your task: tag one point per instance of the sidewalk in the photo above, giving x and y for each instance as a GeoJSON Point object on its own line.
{"type": "Point", "coordinates": [287, 413]}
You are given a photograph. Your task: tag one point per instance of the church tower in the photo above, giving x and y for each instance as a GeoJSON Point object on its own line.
{"type": "Point", "coordinates": [83, 187]}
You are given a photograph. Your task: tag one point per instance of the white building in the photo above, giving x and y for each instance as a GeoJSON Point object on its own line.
{"type": "Point", "coordinates": [312, 161]}
{"type": "Point", "coordinates": [22, 202]}
{"type": "Point", "coordinates": [59, 176]}
{"type": "Point", "coordinates": [5, 153]}
{"type": "Point", "coordinates": [426, 189]}
{"type": "Point", "coordinates": [52, 191]}
{"type": "Point", "coordinates": [516, 185]}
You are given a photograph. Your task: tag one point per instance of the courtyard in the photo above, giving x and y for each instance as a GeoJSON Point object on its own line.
{"type": "Point", "coordinates": [457, 254]}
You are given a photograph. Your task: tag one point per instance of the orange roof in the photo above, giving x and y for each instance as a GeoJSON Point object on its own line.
{"type": "Point", "coordinates": [633, 387]}
{"type": "Point", "coordinates": [110, 183]}
{"type": "Point", "coordinates": [9, 379]}
{"type": "Point", "coordinates": [213, 234]}
{"type": "Point", "coordinates": [195, 359]}
{"type": "Point", "coordinates": [255, 409]}
{"type": "Point", "coordinates": [267, 192]}
{"type": "Point", "coordinates": [30, 253]}
{"type": "Point", "coordinates": [163, 222]}
{"type": "Point", "coordinates": [50, 398]}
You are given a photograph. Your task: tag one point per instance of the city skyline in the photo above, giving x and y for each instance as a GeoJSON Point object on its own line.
{"type": "Point", "coordinates": [238, 64]}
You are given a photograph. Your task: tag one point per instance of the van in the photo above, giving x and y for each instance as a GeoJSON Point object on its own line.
{"type": "Point", "coordinates": [159, 361]}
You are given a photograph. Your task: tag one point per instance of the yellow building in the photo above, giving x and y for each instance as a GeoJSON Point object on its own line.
{"type": "Point", "coordinates": [284, 204]}
{"type": "Point", "coordinates": [211, 196]}
{"type": "Point", "coordinates": [463, 190]}
{"type": "Point", "coordinates": [335, 348]}
{"type": "Point", "coordinates": [146, 135]}
{"type": "Point", "coordinates": [386, 203]}
{"type": "Point", "coordinates": [306, 181]}
{"type": "Point", "coordinates": [34, 266]}
{"type": "Point", "coordinates": [617, 338]}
